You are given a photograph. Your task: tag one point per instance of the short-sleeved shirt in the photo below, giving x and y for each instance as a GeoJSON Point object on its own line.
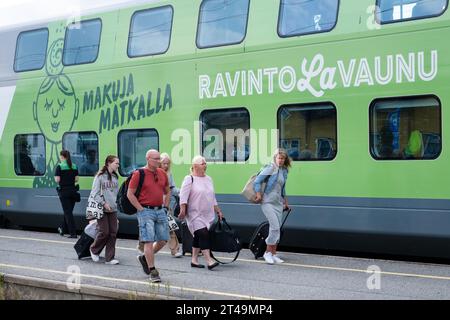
{"type": "Point", "coordinates": [153, 190]}
{"type": "Point", "coordinates": [67, 175]}
{"type": "Point", "coordinates": [198, 193]}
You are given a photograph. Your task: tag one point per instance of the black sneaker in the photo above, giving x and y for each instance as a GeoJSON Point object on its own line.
{"type": "Point", "coordinates": [60, 231]}
{"type": "Point", "coordinates": [154, 276]}
{"type": "Point", "coordinates": [144, 264]}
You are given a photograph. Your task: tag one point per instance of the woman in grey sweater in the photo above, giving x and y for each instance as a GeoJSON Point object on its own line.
{"type": "Point", "coordinates": [104, 191]}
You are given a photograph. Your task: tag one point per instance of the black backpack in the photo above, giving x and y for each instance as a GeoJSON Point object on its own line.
{"type": "Point", "coordinates": [123, 203]}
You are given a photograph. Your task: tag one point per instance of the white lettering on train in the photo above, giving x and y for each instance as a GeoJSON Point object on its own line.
{"type": "Point", "coordinates": [316, 77]}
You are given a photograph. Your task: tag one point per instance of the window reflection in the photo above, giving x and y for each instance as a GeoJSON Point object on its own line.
{"type": "Point", "coordinates": [82, 42]}
{"type": "Point", "coordinates": [398, 10]}
{"type": "Point", "coordinates": [222, 22]}
{"type": "Point", "coordinates": [31, 50]}
{"type": "Point", "coordinates": [150, 32]}
{"type": "Point", "coordinates": [83, 148]}
{"type": "Point", "coordinates": [299, 17]}
{"type": "Point", "coordinates": [226, 135]}
{"type": "Point", "coordinates": [405, 128]}
{"type": "Point", "coordinates": [133, 146]}
{"type": "Point", "coordinates": [308, 132]}
{"type": "Point", "coordinates": [29, 154]}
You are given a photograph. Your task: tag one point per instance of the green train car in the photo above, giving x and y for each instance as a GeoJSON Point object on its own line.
{"type": "Point", "coordinates": [356, 91]}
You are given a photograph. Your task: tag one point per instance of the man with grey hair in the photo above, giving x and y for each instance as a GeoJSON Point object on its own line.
{"type": "Point", "coordinates": [152, 208]}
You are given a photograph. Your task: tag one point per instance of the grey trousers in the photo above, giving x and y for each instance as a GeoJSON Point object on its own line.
{"type": "Point", "coordinates": [273, 213]}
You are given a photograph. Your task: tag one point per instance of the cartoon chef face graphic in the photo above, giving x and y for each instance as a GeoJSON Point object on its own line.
{"type": "Point", "coordinates": [56, 107]}
{"type": "Point", "coordinates": [55, 110]}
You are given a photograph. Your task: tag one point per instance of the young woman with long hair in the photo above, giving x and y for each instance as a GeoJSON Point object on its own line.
{"type": "Point", "coordinates": [104, 190]}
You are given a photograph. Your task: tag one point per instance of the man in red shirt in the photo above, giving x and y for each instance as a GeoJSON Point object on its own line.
{"type": "Point", "coordinates": [151, 211]}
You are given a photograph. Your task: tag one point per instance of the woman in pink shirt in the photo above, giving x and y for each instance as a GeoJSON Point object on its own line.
{"type": "Point", "coordinates": [198, 204]}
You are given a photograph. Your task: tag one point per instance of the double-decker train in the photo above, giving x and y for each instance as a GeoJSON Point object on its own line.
{"type": "Point", "coordinates": [356, 91]}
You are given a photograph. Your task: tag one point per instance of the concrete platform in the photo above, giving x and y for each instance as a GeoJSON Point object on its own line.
{"type": "Point", "coordinates": [36, 265]}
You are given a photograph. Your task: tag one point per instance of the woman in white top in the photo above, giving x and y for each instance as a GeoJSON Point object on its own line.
{"type": "Point", "coordinates": [198, 204]}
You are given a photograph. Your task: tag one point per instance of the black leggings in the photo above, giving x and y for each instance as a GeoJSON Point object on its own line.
{"type": "Point", "coordinates": [201, 239]}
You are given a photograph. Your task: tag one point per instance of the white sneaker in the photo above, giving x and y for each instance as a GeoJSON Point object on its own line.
{"type": "Point", "coordinates": [179, 252]}
{"type": "Point", "coordinates": [277, 259]}
{"type": "Point", "coordinates": [113, 261]}
{"type": "Point", "coordinates": [94, 257]}
{"type": "Point", "coordinates": [268, 257]}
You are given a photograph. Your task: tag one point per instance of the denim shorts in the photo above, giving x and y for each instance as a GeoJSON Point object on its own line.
{"type": "Point", "coordinates": [153, 225]}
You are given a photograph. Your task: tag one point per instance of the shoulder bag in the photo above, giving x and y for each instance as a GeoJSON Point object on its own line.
{"type": "Point", "coordinates": [249, 192]}
{"type": "Point", "coordinates": [94, 209]}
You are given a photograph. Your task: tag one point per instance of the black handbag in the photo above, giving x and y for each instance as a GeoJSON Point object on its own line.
{"type": "Point", "coordinates": [224, 239]}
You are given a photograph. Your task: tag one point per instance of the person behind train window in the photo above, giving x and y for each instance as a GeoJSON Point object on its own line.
{"type": "Point", "coordinates": [152, 208]}
{"type": "Point", "coordinates": [25, 164]}
{"type": "Point", "coordinates": [66, 174]}
{"type": "Point", "coordinates": [198, 204]}
{"type": "Point", "coordinates": [386, 142]}
{"type": "Point", "coordinates": [104, 190]}
{"type": "Point", "coordinates": [90, 166]}
{"type": "Point", "coordinates": [274, 200]}
{"type": "Point", "coordinates": [414, 148]}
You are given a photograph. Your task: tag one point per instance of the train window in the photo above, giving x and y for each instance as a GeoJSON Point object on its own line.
{"type": "Point", "coordinates": [225, 134]}
{"type": "Point", "coordinates": [308, 131]}
{"type": "Point", "coordinates": [405, 128]}
{"type": "Point", "coordinates": [133, 145]}
{"type": "Point", "coordinates": [305, 17]}
{"type": "Point", "coordinates": [150, 32]}
{"type": "Point", "coordinates": [82, 42]}
{"type": "Point", "coordinates": [222, 22]}
{"type": "Point", "coordinates": [388, 11]}
{"type": "Point", "coordinates": [83, 148]}
{"type": "Point", "coordinates": [29, 155]}
{"type": "Point", "coordinates": [31, 49]}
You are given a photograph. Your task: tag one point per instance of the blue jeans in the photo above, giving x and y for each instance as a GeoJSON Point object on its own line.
{"type": "Point", "coordinates": [153, 225]}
